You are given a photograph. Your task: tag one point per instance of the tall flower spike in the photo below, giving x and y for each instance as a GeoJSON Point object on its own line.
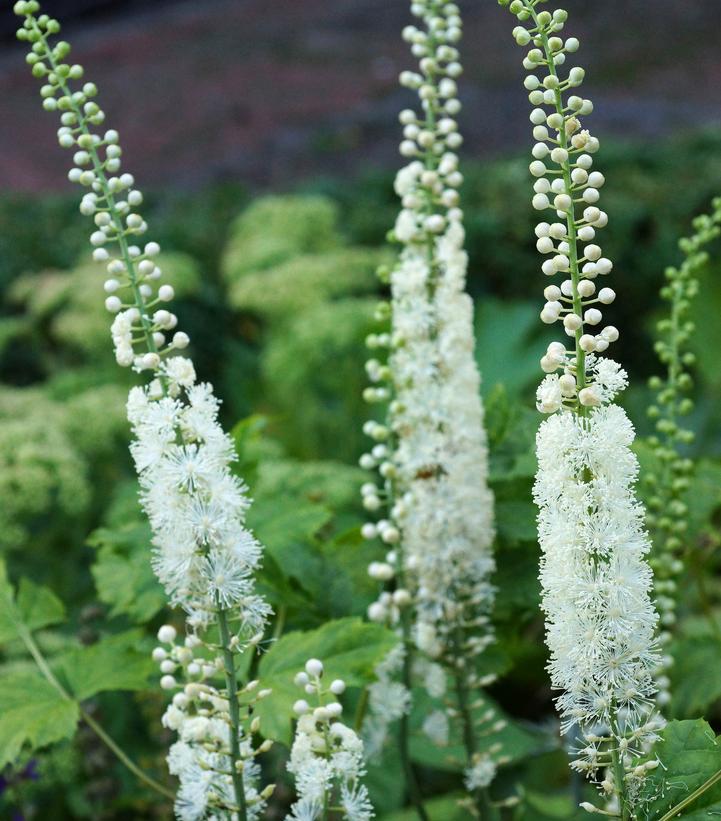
{"type": "Point", "coordinates": [203, 553]}
{"type": "Point", "coordinates": [431, 452]}
{"type": "Point", "coordinates": [667, 517]}
{"type": "Point", "coordinates": [596, 582]}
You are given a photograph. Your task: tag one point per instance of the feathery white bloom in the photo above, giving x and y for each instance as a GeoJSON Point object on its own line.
{"type": "Point", "coordinates": [199, 759]}
{"type": "Point", "coordinates": [600, 620]}
{"type": "Point", "coordinates": [203, 554]}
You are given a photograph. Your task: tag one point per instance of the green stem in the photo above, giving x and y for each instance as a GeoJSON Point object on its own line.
{"type": "Point", "coordinates": [482, 799]}
{"type": "Point", "coordinates": [362, 708]}
{"type": "Point", "coordinates": [675, 811]}
{"type": "Point", "coordinates": [414, 792]}
{"type": "Point", "coordinates": [231, 683]}
{"type": "Point", "coordinates": [32, 647]}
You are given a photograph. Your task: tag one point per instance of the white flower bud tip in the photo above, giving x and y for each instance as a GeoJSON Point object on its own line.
{"type": "Point", "coordinates": [167, 634]}
{"type": "Point", "coordinates": [314, 667]}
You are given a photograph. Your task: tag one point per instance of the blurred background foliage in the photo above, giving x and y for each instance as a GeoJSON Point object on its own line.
{"type": "Point", "coordinates": [277, 294]}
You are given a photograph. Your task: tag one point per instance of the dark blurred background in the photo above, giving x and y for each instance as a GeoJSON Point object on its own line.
{"type": "Point", "coordinates": [272, 92]}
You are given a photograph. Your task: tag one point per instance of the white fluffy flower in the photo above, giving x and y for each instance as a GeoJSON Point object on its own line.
{"type": "Point", "coordinates": [203, 554]}
{"type": "Point", "coordinates": [600, 620]}
{"type": "Point", "coordinates": [480, 774]}
{"type": "Point", "coordinates": [442, 460]}
{"type": "Point", "coordinates": [327, 762]}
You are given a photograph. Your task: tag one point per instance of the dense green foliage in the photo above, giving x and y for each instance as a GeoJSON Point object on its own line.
{"type": "Point", "coordinates": [277, 294]}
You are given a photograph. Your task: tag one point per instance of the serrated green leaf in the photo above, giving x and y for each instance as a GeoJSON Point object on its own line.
{"type": "Point", "coordinates": [690, 754]}
{"type": "Point", "coordinates": [33, 714]}
{"type": "Point", "coordinates": [278, 524]}
{"type": "Point", "coordinates": [114, 663]}
{"type": "Point", "coordinates": [123, 576]}
{"type": "Point", "coordinates": [38, 606]}
{"type": "Point", "coordinates": [348, 648]}
{"type": "Point", "coordinates": [35, 607]}
{"type": "Point", "coordinates": [695, 675]}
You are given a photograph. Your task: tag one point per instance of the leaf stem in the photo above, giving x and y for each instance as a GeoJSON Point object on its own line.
{"type": "Point", "coordinates": [234, 708]}
{"type": "Point", "coordinates": [36, 653]}
{"type": "Point", "coordinates": [414, 792]}
{"type": "Point", "coordinates": [674, 811]}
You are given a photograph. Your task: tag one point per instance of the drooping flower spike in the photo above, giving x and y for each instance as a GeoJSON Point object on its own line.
{"type": "Point", "coordinates": [436, 510]}
{"type": "Point", "coordinates": [596, 581]}
{"type": "Point", "coordinates": [203, 553]}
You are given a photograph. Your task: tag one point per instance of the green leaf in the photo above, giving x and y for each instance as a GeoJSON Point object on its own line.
{"type": "Point", "coordinates": [114, 663]}
{"type": "Point", "coordinates": [348, 648]}
{"type": "Point", "coordinates": [123, 576]}
{"type": "Point", "coordinates": [696, 674]}
{"type": "Point", "coordinates": [689, 754]}
{"type": "Point", "coordinates": [35, 607]}
{"type": "Point", "coordinates": [447, 808]}
{"type": "Point", "coordinates": [33, 714]}
{"type": "Point", "coordinates": [510, 359]}
{"type": "Point", "coordinates": [516, 742]}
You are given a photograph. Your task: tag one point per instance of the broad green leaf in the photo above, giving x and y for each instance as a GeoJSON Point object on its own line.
{"type": "Point", "coordinates": [544, 807]}
{"type": "Point", "coordinates": [690, 754]}
{"type": "Point", "coordinates": [695, 675]}
{"type": "Point", "coordinates": [516, 742]}
{"type": "Point", "coordinates": [35, 607]}
{"type": "Point", "coordinates": [114, 663]}
{"type": "Point", "coordinates": [278, 524]}
{"type": "Point", "coordinates": [348, 648]}
{"type": "Point", "coordinates": [286, 529]}
{"type": "Point", "coordinates": [445, 808]}
{"type": "Point", "coordinates": [504, 357]}
{"type": "Point", "coordinates": [33, 713]}
{"type": "Point", "coordinates": [123, 576]}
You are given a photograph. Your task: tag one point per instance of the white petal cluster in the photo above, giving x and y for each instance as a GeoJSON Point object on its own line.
{"type": "Point", "coordinates": [326, 758]}
{"type": "Point", "coordinates": [600, 620]}
{"type": "Point", "coordinates": [203, 554]}
{"type": "Point", "coordinates": [199, 713]}
{"type": "Point", "coordinates": [388, 700]}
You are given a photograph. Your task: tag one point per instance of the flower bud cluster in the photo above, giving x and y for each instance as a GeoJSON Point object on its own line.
{"type": "Point", "coordinates": [327, 756]}
{"type": "Point", "coordinates": [133, 287]}
{"type": "Point", "coordinates": [566, 185]}
{"type": "Point", "coordinates": [200, 714]}
{"type": "Point", "coordinates": [668, 484]}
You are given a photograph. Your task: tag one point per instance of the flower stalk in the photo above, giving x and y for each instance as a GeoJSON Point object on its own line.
{"type": "Point", "coordinates": [431, 451]}
{"type": "Point", "coordinates": [596, 582]}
